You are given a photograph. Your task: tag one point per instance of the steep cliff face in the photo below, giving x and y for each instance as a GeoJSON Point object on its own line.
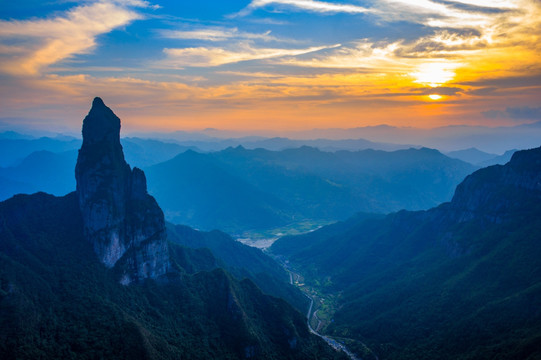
{"type": "Point", "coordinates": [491, 193]}
{"type": "Point", "coordinates": [124, 224]}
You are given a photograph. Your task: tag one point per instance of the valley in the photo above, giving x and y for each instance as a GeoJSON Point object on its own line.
{"type": "Point", "coordinates": [311, 316]}
{"type": "Point", "coordinates": [417, 284]}
{"type": "Point", "coordinates": [263, 239]}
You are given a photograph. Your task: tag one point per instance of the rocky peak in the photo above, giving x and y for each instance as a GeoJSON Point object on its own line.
{"type": "Point", "coordinates": [492, 192]}
{"type": "Point", "coordinates": [125, 224]}
{"type": "Point", "coordinates": [101, 124]}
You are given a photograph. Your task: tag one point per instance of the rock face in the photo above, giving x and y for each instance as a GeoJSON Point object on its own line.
{"type": "Point", "coordinates": [125, 224]}
{"type": "Point", "coordinates": [492, 192]}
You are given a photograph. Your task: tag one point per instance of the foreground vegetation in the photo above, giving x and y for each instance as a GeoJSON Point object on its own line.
{"type": "Point", "coordinates": [57, 301]}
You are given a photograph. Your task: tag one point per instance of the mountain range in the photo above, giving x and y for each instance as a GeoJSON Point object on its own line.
{"type": "Point", "coordinates": [93, 275]}
{"type": "Point", "coordinates": [239, 189]}
{"type": "Point", "coordinates": [480, 158]}
{"type": "Point", "coordinates": [100, 273]}
{"type": "Point", "coordinates": [458, 281]}
{"type": "Point", "coordinates": [491, 139]}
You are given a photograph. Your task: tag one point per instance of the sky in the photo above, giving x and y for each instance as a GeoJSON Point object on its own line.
{"type": "Point", "coordinates": [258, 65]}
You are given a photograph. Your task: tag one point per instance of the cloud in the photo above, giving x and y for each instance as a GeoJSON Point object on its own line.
{"type": "Point", "coordinates": [520, 81]}
{"type": "Point", "coordinates": [494, 114]}
{"type": "Point", "coordinates": [215, 56]}
{"type": "Point", "coordinates": [308, 5]}
{"type": "Point", "coordinates": [216, 34]}
{"type": "Point", "coordinates": [472, 6]}
{"type": "Point", "coordinates": [448, 44]}
{"type": "Point", "coordinates": [487, 51]}
{"type": "Point", "coordinates": [524, 112]}
{"type": "Point", "coordinates": [137, 3]}
{"type": "Point", "coordinates": [515, 113]}
{"type": "Point", "coordinates": [362, 54]}
{"type": "Point", "coordinates": [49, 41]}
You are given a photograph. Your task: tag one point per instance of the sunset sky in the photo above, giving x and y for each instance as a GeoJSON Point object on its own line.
{"type": "Point", "coordinates": [270, 65]}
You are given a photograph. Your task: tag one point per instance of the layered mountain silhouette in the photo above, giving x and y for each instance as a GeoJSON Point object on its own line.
{"type": "Point", "coordinates": [239, 189]}
{"type": "Point", "coordinates": [459, 281]}
{"type": "Point", "coordinates": [92, 275]}
{"type": "Point", "coordinates": [46, 164]}
{"type": "Point", "coordinates": [477, 157]}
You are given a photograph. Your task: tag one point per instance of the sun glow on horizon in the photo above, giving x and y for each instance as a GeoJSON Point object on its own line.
{"type": "Point", "coordinates": [444, 60]}
{"type": "Point", "coordinates": [434, 74]}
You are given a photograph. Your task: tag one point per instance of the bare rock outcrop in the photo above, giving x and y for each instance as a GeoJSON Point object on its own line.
{"type": "Point", "coordinates": [122, 221]}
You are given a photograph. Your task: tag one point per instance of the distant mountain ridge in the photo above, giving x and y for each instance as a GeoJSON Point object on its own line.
{"type": "Point", "coordinates": [40, 171]}
{"type": "Point", "coordinates": [264, 189]}
{"type": "Point", "coordinates": [481, 158]}
{"type": "Point", "coordinates": [446, 138]}
{"type": "Point", "coordinates": [471, 155]}
{"type": "Point", "coordinates": [51, 169]}
{"type": "Point", "coordinates": [459, 281]}
{"type": "Point", "coordinates": [239, 189]}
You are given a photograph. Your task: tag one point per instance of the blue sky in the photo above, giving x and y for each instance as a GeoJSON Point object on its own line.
{"type": "Point", "coordinates": [262, 64]}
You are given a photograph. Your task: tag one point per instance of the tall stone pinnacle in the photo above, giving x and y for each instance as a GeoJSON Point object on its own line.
{"type": "Point", "coordinates": [125, 224]}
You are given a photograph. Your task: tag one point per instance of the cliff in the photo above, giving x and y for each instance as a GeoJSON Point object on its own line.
{"type": "Point", "coordinates": [492, 193]}
{"type": "Point", "coordinates": [124, 224]}
{"type": "Point", "coordinates": [459, 281]}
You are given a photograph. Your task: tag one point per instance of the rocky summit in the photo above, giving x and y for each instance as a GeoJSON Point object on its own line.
{"type": "Point", "coordinates": [122, 221]}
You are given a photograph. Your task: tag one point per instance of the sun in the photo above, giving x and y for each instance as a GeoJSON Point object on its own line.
{"type": "Point", "coordinates": [434, 96]}
{"type": "Point", "coordinates": [434, 74]}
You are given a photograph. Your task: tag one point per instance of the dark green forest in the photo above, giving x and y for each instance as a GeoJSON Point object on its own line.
{"type": "Point", "coordinates": [460, 281]}
{"type": "Point", "coordinates": [58, 301]}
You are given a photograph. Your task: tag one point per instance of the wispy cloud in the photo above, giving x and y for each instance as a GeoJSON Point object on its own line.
{"type": "Point", "coordinates": [307, 5]}
{"type": "Point", "coordinates": [216, 34]}
{"type": "Point", "coordinates": [48, 41]}
{"type": "Point", "coordinates": [216, 56]}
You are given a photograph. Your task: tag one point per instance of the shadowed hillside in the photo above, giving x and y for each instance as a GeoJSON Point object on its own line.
{"type": "Point", "coordinates": [459, 281]}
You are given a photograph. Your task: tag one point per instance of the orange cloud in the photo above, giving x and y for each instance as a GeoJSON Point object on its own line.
{"type": "Point", "coordinates": [52, 40]}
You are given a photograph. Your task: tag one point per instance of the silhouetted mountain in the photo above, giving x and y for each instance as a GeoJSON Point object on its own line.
{"type": "Point", "coordinates": [480, 158]}
{"type": "Point", "coordinates": [90, 275]}
{"type": "Point", "coordinates": [52, 172]}
{"type": "Point", "coordinates": [459, 281]}
{"type": "Point", "coordinates": [15, 150]}
{"type": "Point", "coordinates": [238, 189]}
{"type": "Point", "coordinates": [280, 143]}
{"type": "Point", "coordinates": [13, 135]}
{"type": "Point", "coordinates": [446, 138]}
{"type": "Point", "coordinates": [472, 155]}
{"type": "Point", "coordinates": [194, 189]}
{"type": "Point", "coordinates": [223, 139]}
{"type": "Point", "coordinates": [499, 160]}
{"type": "Point", "coordinates": [147, 152]}
{"type": "Point", "coordinates": [40, 171]}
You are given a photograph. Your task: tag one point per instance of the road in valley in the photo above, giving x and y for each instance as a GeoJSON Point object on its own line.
{"type": "Point", "coordinates": [335, 344]}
